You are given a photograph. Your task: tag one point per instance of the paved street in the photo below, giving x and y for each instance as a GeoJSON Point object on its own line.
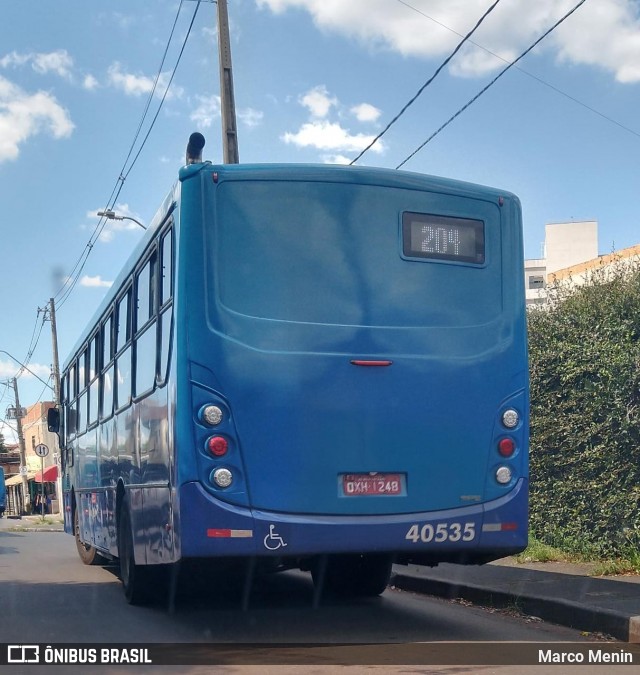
{"type": "Point", "coordinates": [48, 596]}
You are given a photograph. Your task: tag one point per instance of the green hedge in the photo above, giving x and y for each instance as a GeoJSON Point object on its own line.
{"type": "Point", "coordinates": [584, 350]}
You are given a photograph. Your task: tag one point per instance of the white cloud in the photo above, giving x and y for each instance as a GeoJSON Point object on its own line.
{"type": "Point", "coordinates": [250, 117]}
{"type": "Point", "coordinates": [606, 35]}
{"type": "Point", "coordinates": [90, 83]}
{"type": "Point", "coordinates": [336, 159]}
{"type": "Point", "coordinates": [603, 34]}
{"type": "Point", "coordinates": [318, 101]}
{"type": "Point", "coordinates": [137, 85]}
{"type": "Point", "coordinates": [325, 135]}
{"type": "Point", "coordinates": [207, 111]}
{"type": "Point", "coordinates": [365, 112]}
{"type": "Point", "coordinates": [23, 115]}
{"type": "Point", "coordinates": [10, 369]}
{"type": "Point", "coordinates": [95, 282]}
{"type": "Point", "coordinates": [58, 62]}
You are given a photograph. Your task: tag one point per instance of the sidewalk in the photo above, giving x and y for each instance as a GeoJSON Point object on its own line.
{"type": "Point", "coordinates": [52, 523]}
{"type": "Point", "coordinates": [561, 593]}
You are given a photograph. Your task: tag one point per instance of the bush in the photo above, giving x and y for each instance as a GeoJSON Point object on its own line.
{"type": "Point", "coordinates": [584, 350]}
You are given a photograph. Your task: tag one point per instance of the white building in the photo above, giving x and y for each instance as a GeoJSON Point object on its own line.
{"type": "Point", "coordinates": [566, 245]}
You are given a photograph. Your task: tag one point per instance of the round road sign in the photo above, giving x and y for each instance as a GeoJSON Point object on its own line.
{"type": "Point", "coordinates": [41, 450]}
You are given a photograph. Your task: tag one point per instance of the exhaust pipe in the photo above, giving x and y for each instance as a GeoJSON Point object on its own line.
{"type": "Point", "coordinates": [194, 148]}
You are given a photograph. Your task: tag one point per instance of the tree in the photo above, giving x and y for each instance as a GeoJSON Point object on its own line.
{"type": "Point", "coordinates": [584, 351]}
{"type": "Point", "coordinates": [3, 447]}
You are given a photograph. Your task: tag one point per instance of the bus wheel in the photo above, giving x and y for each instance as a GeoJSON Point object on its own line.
{"type": "Point", "coordinates": [140, 583]}
{"type": "Point", "coordinates": [359, 575]}
{"type": "Point", "coordinates": [87, 553]}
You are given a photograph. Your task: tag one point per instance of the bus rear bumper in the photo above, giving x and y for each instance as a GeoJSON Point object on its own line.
{"type": "Point", "coordinates": [478, 533]}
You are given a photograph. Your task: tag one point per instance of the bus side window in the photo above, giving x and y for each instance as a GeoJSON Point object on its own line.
{"type": "Point", "coordinates": [166, 281]}
{"type": "Point", "coordinates": [93, 378]}
{"type": "Point", "coordinates": [166, 285]}
{"type": "Point", "coordinates": [106, 378]}
{"type": "Point", "coordinates": [72, 402]}
{"type": "Point", "coordinates": [146, 334]}
{"type": "Point", "coordinates": [64, 384]}
{"type": "Point", "coordinates": [123, 352]}
{"type": "Point", "coordinates": [83, 379]}
{"type": "Point", "coordinates": [123, 322]}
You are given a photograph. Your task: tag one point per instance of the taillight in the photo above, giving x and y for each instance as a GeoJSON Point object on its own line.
{"type": "Point", "coordinates": [222, 477]}
{"type": "Point", "coordinates": [510, 418]}
{"type": "Point", "coordinates": [217, 445]}
{"type": "Point", "coordinates": [504, 475]}
{"type": "Point", "coordinates": [211, 415]}
{"type": "Point", "coordinates": [506, 447]}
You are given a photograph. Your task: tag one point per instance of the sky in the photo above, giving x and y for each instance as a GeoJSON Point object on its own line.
{"type": "Point", "coordinates": [315, 81]}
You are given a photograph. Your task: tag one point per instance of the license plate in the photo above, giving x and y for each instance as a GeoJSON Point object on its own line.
{"type": "Point", "coordinates": [363, 484]}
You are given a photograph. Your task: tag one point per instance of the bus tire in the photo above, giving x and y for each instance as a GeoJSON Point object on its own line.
{"type": "Point", "coordinates": [357, 575]}
{"type": "Point", "coordinates": [141, 583]}
{"type": "Point", "coordinates": [87, 553]}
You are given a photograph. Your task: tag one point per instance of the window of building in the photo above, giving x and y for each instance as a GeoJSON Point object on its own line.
{"type": "Point", "coordinates": [536, 281]}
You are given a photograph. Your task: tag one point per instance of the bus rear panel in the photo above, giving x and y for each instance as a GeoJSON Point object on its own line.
{"type": "Point", "coordinates": [361, 334]}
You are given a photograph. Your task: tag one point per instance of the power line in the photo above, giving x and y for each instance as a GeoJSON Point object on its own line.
{"type": "Point", "coordinates": [153, 89]}
{"type": "Point", "coordinates": [175, 68]}
{"type": "Point", "coordinates": [72, 278]}
{"type": "Point", "coordinates": [70, 283]}
{"type": "Point", "coordinates": [525, 72]}
{"type": "Point", "coordinates": [427, 83]}
{"type": "Point", "coordinates": [495, 79]}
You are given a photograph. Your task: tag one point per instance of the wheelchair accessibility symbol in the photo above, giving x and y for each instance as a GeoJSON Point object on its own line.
{"type": "Point", "coordinates": [273, 541]}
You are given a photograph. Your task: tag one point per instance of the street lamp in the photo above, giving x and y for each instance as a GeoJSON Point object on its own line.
{"type": "Point", "coordinates": [112, 215]}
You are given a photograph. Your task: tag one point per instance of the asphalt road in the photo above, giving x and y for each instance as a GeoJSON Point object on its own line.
{"type": "Point", "coordinates": [48, 596]}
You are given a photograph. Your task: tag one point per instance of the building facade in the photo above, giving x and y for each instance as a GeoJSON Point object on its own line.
{"type": "Point", "coordinates": [43, 476]}
{"type": "Point", "coordinates": [566, 246]}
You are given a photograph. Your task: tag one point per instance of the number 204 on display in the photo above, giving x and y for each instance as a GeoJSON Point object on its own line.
{"type": "Point", "coordinates": [441, 532]}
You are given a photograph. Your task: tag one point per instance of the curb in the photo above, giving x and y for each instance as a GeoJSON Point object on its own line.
{"type": "Point", "coordinates": [35, 529]}
{"type": "Point", "coordinates": [564, 612]}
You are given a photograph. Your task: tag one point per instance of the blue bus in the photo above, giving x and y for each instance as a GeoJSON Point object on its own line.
{"type": "Point", "coordinates": [301, 366]}
{"type": "Point", "coordinates": [3, 493]}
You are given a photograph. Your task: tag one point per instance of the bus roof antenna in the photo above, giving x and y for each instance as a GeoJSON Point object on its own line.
{"type": "Point", "coordinates": [194, 148]}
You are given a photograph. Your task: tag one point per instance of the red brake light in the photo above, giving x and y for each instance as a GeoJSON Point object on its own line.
{"type": "Point", "coordinates": [506, 447]}
{"type": "Point", "coordinates": [218, 446]}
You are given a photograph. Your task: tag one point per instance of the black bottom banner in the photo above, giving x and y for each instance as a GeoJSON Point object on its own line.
{"type": "Point", "coordinates": [423, 653]}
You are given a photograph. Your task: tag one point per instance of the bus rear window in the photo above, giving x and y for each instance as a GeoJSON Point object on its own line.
{"type": "Point", "coordinates": [327, 253]}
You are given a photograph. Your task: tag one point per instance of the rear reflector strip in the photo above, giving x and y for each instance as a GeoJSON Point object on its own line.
{"type": "Point", "coordinates": [378, 364]}
{"type": "Point", "coordinates": [229, 534]}
{"type": "Point", "coordinates": [499, 527]}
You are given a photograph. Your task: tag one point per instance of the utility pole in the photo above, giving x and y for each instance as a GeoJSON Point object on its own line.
{"type": "Point", "coordinates": [26, 497]}
{"type": "Point", "coordinates": [56, 362]}
{"type": "Point", "coordinates": [229, 128]}
{"type": "Point", "coordinates": [56, 398]}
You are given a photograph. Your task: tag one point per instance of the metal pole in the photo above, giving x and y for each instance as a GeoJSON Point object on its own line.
{"type": "Point", "coordinates": [227, 103]}
{"type": "Point", "coordinates": [26, 497]}
{"type": "Point", "coordinates": [42, 502]}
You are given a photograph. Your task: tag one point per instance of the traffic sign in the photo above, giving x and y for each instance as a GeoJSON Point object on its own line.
{"type": "Point", "coordinates": [41, 450]}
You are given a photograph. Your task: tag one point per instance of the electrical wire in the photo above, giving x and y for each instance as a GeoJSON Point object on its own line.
{"type": "Point", "coordinates": [525, 72]}
{"type": "Point", "coordinates": [72, 280]}
{"type": "Point", "coordinates": [492, 82]}
{"type": "Point", "coordinates": [427, 83]}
